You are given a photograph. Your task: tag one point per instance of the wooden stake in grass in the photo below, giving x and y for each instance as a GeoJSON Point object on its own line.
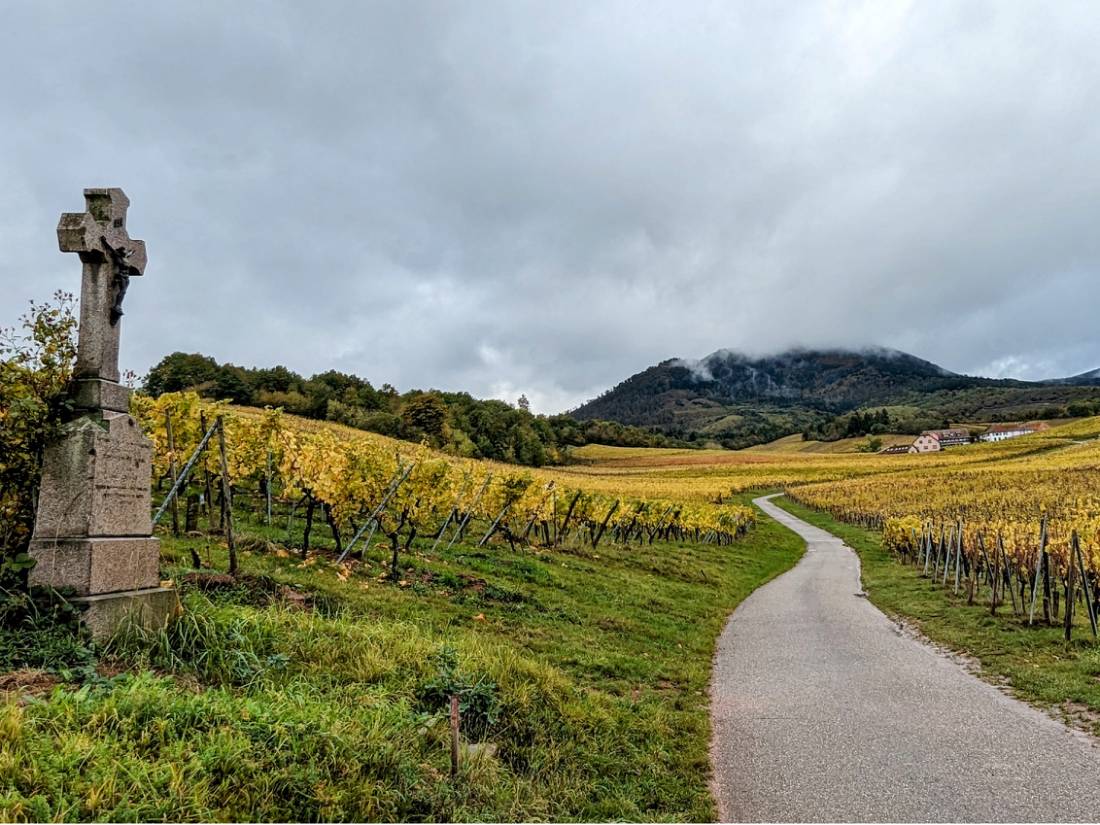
{"type": "Point", "coordinates": [227, 498]}
{"type": "Point", "coordinates": [455, 740]}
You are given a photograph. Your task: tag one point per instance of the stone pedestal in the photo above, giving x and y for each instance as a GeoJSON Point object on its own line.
{"type": "Point", "coordinates": [93, 531]}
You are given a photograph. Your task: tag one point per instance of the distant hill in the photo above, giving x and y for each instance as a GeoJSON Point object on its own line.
{"type": "Point", "coordinates": [740, 400]}
{"type": "Point", "coordinates": [1085, 379]}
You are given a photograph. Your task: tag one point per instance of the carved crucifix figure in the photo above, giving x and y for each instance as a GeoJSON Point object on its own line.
{"type": "Point", "coordinates": [110, 257]}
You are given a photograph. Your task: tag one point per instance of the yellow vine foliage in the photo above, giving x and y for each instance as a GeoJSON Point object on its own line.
{"type": "Point", "coordinates": [351, 473]}
{"type": "Point", "coordinates": [999, 503]}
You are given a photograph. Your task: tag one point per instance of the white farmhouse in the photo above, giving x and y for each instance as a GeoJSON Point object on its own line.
{"type": "Point", "coordinates": [1002, 432]}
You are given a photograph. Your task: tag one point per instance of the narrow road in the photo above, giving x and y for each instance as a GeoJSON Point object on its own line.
{"type": "Point", "coordinates": [824, 710]}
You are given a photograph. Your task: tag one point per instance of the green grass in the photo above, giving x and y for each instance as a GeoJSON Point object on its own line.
{"type": "Point", "coordinates": [586, 671]}
{"type": "Point", "coordinates": [1035, 663]}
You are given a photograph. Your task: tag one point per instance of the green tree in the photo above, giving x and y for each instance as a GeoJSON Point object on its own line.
{"type": "Point", "coordinates": [425, 413]}
{"type": "Point", "coordinates": [182, 371]}
{"type": "Point", "coordinates": [1080, 409]}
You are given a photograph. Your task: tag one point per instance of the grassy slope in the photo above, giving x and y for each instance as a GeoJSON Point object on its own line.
{"type": "Point", "coordinates": [1035, 663]}
{"type": "Point", "coordinates": [245, 710]}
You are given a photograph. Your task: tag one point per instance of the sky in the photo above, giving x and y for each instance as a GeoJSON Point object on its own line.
{"type": "Point", "coordinates": [545, 198]}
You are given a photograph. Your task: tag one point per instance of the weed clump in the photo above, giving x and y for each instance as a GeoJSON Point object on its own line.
{"type": "Point", "coordinates": [40, 629]}
{"type": "Point", "coordinates": [478, 696]}
{"type": "Point", "coordinates": [216, 647]}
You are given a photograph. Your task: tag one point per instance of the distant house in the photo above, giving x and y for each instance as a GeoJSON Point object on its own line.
{"type": "Point", "coordinates": [1002, 432]}
{"type": "Point", "coordinates": [925, 443]}
{"type": "Point", "coordinates": [931, 441]}
{"type": "Point", "coordinates": [897, 449]}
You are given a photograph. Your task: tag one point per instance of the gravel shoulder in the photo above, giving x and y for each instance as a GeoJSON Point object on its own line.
{"type": "Point", "coordinates": [824, 709]}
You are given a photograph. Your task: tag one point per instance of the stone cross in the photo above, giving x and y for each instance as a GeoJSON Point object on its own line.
{"type": "Point", "coordinates": [110, 257]}
{"type": "Point", "coordinates": [93, 533]}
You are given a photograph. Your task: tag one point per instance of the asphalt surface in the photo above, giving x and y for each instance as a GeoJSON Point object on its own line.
{"type": "Point", "coordinates": [825, 710]}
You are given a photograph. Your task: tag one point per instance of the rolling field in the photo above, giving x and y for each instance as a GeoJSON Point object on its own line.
{"type": "Point", "coordinates": [573, 610]}
{"type": "Point", "coordinates": [708, 474]}
{"type": "Point", "coordinates": [305, 688]}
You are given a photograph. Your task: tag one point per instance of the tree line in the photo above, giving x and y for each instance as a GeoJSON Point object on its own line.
{"type": "Point", "coordinates": [454, 422]}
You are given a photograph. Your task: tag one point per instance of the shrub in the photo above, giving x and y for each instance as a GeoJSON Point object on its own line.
{"type": "Point", "coordinates": [36, 363]}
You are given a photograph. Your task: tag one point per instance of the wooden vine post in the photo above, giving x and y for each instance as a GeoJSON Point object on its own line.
{"type": "Point", "coordinates": [564, 531]}
{"type": "Point", "coordinates": [227, 499]}
{"type": "Point", "coordinates": [992, 569]}
{"type": "Point", "coordinates": [603, 525]}
{"type": "Point", "coordinates": [1006, 581]}
{"type": "Point", "coordinates": [209, 500]}
{"type": "Point", "coordinates": [1038, 571]}
{"type": "Point", "coordinates": [172, 472]}
{"type": "Point", "coordinates": [267, 487]}
{"type": "Point", "coordinates": [1067, 624]}
{"type": "Point", "coordinates": [1086, 589]}
{"type": "Point", "coordinates": [958, 556]}
{"type": "Point", "coordinates": [456, 742]}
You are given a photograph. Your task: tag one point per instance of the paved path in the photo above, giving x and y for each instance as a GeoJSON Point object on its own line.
{"type": "Point", "coordinates": [824, 710]}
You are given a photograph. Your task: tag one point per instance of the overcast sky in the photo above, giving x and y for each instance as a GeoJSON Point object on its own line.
{"type": "Point", "coordinates": [508, 197]}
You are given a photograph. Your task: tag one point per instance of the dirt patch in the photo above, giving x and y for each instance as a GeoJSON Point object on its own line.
{"type": "Point", "coordinates": [27, 682]}
{"type": "Point", "coordinates": [473, 584]}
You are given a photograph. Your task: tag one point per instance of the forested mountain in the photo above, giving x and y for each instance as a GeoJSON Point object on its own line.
{"type": "Point", "coordinates": [740, 400]}
{"type": "Point", "coordinates": [1085, 379]}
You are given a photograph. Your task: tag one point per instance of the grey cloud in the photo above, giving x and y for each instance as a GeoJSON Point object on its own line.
{"type": "Point", "coordinates": [512, 197]}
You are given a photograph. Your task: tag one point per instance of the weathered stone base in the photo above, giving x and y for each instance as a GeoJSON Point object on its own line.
{"type": "Point", "coordinates": [97, 565]}
{"type": "Point", "coordinates": [95, 480]}
{"type": "Point", "coordinates": [151, 608]}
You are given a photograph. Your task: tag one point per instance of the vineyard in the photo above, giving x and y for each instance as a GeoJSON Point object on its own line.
{"type": "Point", "coordinates": [707, 475]}
{"type": "Point", "coordinates": [1019, 518]}
{"type": "Point", "coordinates": [359, 485]}
{"type": "Point", "coordinates": [1022, 531]}
{"type": "Point", "coordinates": [1018, 515]}
{"type": "Point", "coordinates": [374, 583]}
